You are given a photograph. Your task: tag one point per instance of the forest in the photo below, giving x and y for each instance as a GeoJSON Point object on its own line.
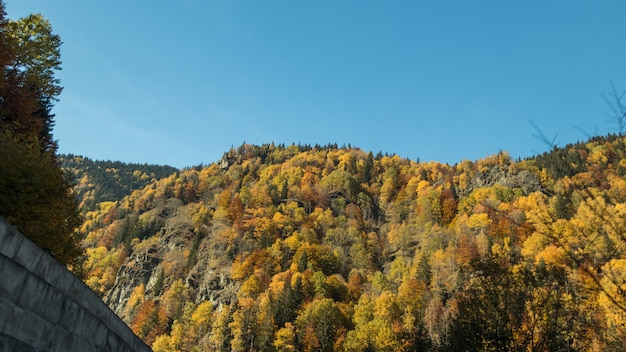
{"type": "Point", "coordinates": [322, 248]}
{"type": "Point", "coordinates": [98, 181]}
{"type": "Point", "coordinates": [301, 248]}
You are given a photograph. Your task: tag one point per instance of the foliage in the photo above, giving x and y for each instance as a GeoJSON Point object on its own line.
{"type": "Point", "coordinates": [35, 193]}
{"type": "Point", "coordinates": [323, 248]}
{"type": "Point", "coordinates": [103, 181]}
{"type": "Point", "coordinates": [333, 249]}
{"type": "Point", "coordinates": [34, 197]}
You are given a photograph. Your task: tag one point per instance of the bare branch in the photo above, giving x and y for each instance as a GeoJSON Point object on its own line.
{"type": "Point", "coordinates": [618, 109]}
{"type": "Point", "coordinates": [542, 137]}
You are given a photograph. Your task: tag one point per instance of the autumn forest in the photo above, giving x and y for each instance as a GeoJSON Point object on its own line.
{"type": "Point", "coordinates": [322, 247]}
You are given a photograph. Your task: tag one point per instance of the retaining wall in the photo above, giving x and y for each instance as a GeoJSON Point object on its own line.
{"type": "Point", "coordinates": [44, 307]}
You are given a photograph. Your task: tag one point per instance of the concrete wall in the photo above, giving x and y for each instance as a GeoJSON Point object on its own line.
{"type": "Point", "coordinates": [43, 307]}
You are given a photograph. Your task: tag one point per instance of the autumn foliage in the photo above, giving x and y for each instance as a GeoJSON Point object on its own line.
{"type": "Point", "coordinates": [335, 249]}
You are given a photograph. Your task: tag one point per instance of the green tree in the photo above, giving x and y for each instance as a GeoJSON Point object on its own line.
{"type": "Point", "coordinates": [36, 56]}
{"type": "Point", "coordinates": [35, 194]}
{"type": "Point", "coordinates": [37, 53]}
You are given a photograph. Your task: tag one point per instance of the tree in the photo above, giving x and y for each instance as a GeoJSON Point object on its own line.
{"type": "Point", "coordinates": [201, 318]}
{"type": "Point", "coordinates": [488, 308]}
{"type": "Point", "coordinates": [221, 335]}
{"type": "Point", "coordinates": [320, 324]}
{"type": "Point", "coordinates": [36, 56]}
{"type": "Point", "coordinates": [161, 343]}
{"type": "Point", "coordinates": [35, 197]}
{"type": "Point", "coordinates": [37, 53]}
{"type": "Point", "coordinates": [137, 297]}
{"type": "Point", "coordinates": [35, 194]}
{"type": "Point", "coordinates": [18, 104]}
{"type": "Point", "coordinates": [245, 326]}
{"type": "Point", "coordinates": [366, 172]}
{"type": "Point", "coordinates": [285, 340]}
{"type": "Point", "coordinates": [150, 321]}
{"type": "Point", "coordinates": [174, 300]}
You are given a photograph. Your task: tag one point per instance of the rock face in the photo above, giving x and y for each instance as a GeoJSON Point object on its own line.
{"type": "Point", "coordinates": [212, 282]}
{"type": "Point", "coordinates": [139, 269]}
{"type": "Point", "coordinates": [502, 175]}
{"type": "Point", "coordinates": [158, 264]}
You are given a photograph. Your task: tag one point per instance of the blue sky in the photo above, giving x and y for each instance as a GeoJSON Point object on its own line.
{"type": "Point", "coordinates": [180, 82]}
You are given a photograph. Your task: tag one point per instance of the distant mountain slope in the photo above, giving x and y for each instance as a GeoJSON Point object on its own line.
{"type": "Point", "coordinates": [283, 248]}
{"type": "Point", "coordinates": [100, 181]}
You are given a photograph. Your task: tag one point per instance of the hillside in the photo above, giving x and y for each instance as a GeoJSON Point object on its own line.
{"type": "Point", "coordinates": [105, 181]}
{"type": "Point", "coordinates": [324, 248]}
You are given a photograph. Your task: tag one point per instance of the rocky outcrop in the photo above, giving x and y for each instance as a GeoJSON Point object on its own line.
{"type": "Point", "coordinates": [502, 175]}
{"type": "Point", "coordinates": [208, 278]}
{"type": "Point", "coordinates": [139, 269]}
{"type": "Point", "coordinates": [212, 282]}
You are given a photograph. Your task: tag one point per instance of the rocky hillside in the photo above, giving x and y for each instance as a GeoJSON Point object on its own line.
{"type": "Point", "coordinates": [325, 248]}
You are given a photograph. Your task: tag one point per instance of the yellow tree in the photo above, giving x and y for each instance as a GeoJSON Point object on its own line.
{"type": "Point", "coordinates": [174, 300]}
{"type": "Point", "coordinates": [285, 339]}
{"type": "Point", "coordinates": [137, 297]}
{"type": "Point", "coordinates": [320, 324]}
{"type": "Point", "coordinates": [244, 326]}
{"type": "Point", "coordinates": [220, 335]}
{"type": "Point", "coordinates": [201, 319]}
{"type": "Point", "coordinates": [613, 294]}
{"type": "Point", "coordinates": [162, 343]}
{"type": "Point", "coordinates": [359, 338]}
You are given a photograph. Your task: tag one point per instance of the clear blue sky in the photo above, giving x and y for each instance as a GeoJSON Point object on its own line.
{"type": "Point", "coordinates": [180, 82]}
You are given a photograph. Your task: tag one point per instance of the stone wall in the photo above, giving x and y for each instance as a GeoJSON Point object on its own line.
{"type": "Point", "coordinates": [44, 307]}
